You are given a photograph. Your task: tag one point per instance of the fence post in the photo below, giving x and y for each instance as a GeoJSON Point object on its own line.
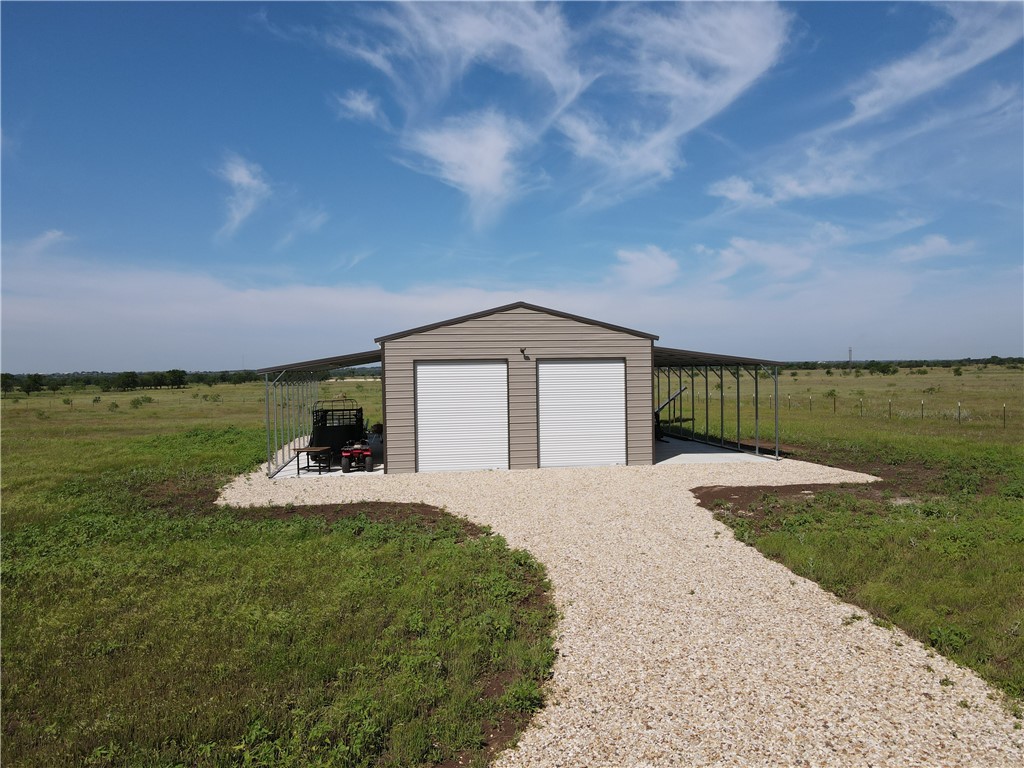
{"type": "Point", "coordinates": [890, 409]}
{"type": "Point", "coordinates": [922, 409]}
{"type": "Point", "coordinates": [862, 407]}
{"type": "Point", "coordinates": [1004, 415]}
{"type": "Point", "coordinates": [957, 411]}
{"type": "Point", "coordinates": [810, 403]}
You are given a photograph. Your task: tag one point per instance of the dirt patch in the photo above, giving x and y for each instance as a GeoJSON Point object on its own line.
{"type": "Point", "coordinates": [497, 736]}
{"type": "Point", "coordinates": [901, 484]}
{"type": "Point", "coordinates": [749, 499]}
{"type": "Point", "coordinates": [178, 496]}
{"type": "Point", "coordinates": [375, 511]}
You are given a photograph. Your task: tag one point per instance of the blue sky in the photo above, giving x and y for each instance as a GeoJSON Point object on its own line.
{"type": "Point", "coordinates": [216, 186]}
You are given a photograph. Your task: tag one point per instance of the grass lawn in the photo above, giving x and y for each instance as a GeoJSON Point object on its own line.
{"type": "Point", "coordinates": [144, 626]}
{"type": "Point", "coordinates": [938, 547]}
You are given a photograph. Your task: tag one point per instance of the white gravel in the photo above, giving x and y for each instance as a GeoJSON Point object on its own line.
{"type": "Point", "coordinates": [681, 646]}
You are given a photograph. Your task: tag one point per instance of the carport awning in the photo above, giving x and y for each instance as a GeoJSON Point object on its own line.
{"type": "Point", "coordinates": [667, 357]}
{"type": "Point", "coordinates": [327, 363]}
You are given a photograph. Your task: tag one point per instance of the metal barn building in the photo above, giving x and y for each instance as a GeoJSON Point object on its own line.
{"type": "Point", "coordinates": [514, 387]}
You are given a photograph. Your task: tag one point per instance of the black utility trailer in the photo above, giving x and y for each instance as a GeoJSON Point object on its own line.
{"type": "Point", "coordinates": [338, 425]}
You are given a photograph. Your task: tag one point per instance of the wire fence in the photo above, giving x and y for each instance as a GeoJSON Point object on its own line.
{"type": "Point", "coordinates": [903, 409]}
{"type": "Point", "coordinates": [930, 410]}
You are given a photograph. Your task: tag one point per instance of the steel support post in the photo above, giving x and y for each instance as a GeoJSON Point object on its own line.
{"type": "Point", "coordinates": [266, 423]}
{"type": "Point", "coordinates": [707, 408]}
{"type": "Point", "coordinates": [757, 413]}
{"type": "Point", "coordinates": [721, 405]}
{"type": "Point", "coordinates": [775, 375]}
{"type": "Point", "coordinates": [694, 400]}
{"type": "Point", "coordinates": [737, 408]}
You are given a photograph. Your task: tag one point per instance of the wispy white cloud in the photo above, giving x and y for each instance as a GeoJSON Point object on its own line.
{"type": "Point", "coordinates": [740, 191]}
{"type": "Point", "coordinates": [428, 47]}
{"type": "Point", "coordinates": [10, 142]}
{"type": "Point", "coordinates": [305, 222]}
{"type": "Point", "coordinates": [356, 258]}
{"type": "Point", "coordinates": [891, 148]}
{"type": "Point", "coordinates": [475, 154]}
{"type": "Point", "coordinates": [648, 268]}
{"type": "Point", "coordinates": [932, 247]}
{"type": "Point", "coordinates": [249, 190]}
{"type": "Point", "coordinates": [656, 73]}
{"type": "Point", "coordinates": [822, 165]}
{"type": "Point", "coordinates": [827, 172]}
{"type": "Point", "coordinates": [683, 64]}
{"type": "Point", "coordinates": [816, 173]}
{"type": "Point", "coordinates": [973, 34]}
{"type": "Point", "coordinates": [778, 260]}
{"type": "Point", "coordinates": [37, 246]}
{"type": "Point", "coordinates": [359, 105]}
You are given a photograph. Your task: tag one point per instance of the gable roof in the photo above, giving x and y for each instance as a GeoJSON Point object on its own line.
{"type": "Point", "coordinates": [506, 308]}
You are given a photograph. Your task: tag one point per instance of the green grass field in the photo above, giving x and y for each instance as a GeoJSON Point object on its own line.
{"type": "Point", "coordinates": [938, 547]}
{"type": "Point", "coordinates": [144, 626]}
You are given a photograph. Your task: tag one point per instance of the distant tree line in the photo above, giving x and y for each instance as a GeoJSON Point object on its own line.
{"type": "Point", "coordinates": [361, 372]}
{"type": "Point", "coordinates": [126, 381]}
{"type": "Point", "coordinates": [123, 381]}
{"type": "Point", "coordinates": [892, 367]}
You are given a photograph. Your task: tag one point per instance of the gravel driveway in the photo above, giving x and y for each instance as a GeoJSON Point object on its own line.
{"type": "Point", "coordinates": [681, 646]}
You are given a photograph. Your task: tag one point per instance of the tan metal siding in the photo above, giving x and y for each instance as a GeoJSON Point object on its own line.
{"type": "Point", "coordinates": [500, 336]}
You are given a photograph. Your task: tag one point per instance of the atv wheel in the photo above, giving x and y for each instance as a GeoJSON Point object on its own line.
{"type": "Point", "coordinates": [346, 464]}
{"type": "Point", "coordinates": [368, 466]}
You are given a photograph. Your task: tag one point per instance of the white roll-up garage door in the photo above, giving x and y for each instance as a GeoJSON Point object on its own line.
{"type": "Point", "coordinates": [581, 412]}
{"type": "Point", "coordinates": [461, 416]}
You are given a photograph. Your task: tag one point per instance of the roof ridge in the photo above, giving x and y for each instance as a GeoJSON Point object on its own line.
{"type": "Point", "coordinates": [508, 307]}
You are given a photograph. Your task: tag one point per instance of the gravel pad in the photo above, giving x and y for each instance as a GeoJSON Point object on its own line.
{"type": "Point", "coordinates": [681, 646]}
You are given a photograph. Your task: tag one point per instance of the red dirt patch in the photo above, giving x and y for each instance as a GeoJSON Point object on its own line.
{"type": "Point", "coordinates": [908, 480]}
{"type": "Point", "coordinates": [374, 511]}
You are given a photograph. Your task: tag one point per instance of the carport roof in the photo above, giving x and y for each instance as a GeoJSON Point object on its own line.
{"type": "Point", "coordinates": [327, 363]}
{"type": "Point", "coordinates": [667, 357]}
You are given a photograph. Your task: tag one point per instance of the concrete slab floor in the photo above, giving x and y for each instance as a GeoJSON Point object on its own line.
{"type": "Point", "coordinates": [675, 451]}
{"type": "Point", "coordinates": [672, 451]}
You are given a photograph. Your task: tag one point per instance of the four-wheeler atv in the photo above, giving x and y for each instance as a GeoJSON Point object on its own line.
{"type": "Point", "coordinates": [357, 455]}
